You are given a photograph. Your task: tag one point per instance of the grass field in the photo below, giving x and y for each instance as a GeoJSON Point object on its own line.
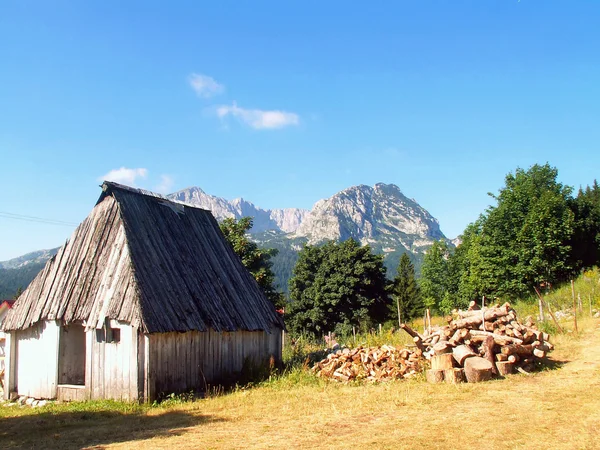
{"type": "Point", "coordinates": [555, 408]}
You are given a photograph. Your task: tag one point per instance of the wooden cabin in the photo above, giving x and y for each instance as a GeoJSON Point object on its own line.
{"type": "Point", "coordinates": [147, 297]}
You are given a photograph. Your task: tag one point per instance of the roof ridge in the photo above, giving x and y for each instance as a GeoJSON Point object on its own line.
{"type": "Point", "coordinates": [108, 185]}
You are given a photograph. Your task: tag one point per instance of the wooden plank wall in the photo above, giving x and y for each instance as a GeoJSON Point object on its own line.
{"type": "Point", "coordinates": [180, 362]}
{"type": "Point", "coordinates": [37, 359]}
{"type": "Point", "coordinates": [114, 366]}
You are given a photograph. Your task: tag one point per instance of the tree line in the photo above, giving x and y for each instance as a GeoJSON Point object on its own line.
{"type": "Point", "coordinates": [334, 287]}
{"type": "Point", "coordinates": [536, 234]}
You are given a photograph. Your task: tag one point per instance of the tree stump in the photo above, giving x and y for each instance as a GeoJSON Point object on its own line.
{"type": "Point", "coordinates": [434, 376]}
{"type": "Point", "coordinates": [462, 352]}
{"type": "Point", "coordinates": [442, 362]}
{"type": "Point", "coordinates": [477, 369]}
{"type": "Point", "coordinates": [454, 376]}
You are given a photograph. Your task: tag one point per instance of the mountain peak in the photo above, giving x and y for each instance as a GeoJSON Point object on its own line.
{"type": "Point", "coordinates": [371, 215]}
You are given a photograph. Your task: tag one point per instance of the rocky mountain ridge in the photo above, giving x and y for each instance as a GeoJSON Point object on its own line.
{"type": "Point", "coordinates": [380, 215]}
{"type": "Point", "coordinates": [286, 220]}
{"type": "Point", "coordinates": [37, 257]}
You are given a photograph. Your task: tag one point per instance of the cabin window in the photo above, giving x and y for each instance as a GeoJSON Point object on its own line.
{"type": "Point", "coordinates": [108, 335]}
{"type": "Point", "coordinates": [113, 335]}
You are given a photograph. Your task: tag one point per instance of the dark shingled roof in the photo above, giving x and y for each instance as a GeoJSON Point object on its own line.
{"type": "Point", "coordinates": [158, 264]}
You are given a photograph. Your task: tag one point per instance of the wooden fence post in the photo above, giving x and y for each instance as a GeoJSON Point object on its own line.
{"type": "Point", "coordinates": [574, 305]}
{"type": "Point", "coordinates": [549, 310]}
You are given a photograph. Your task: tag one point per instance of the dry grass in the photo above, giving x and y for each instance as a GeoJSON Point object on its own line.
{"type": "Point", "coordinates": [558, 408]}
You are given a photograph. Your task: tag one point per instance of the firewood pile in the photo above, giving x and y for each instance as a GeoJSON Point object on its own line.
{"type": "Point", "coordinates": [478, 344]}
{"type": "Point", "coordinates": [370, 363]}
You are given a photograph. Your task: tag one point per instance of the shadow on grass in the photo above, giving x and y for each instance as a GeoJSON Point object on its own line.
{"type": "Point", "coordinates": [549, 364]}
{"type": "Point", "coordinates": [95, 429]}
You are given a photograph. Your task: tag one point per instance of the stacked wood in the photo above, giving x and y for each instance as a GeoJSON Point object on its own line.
{"type": "Point", "coordinates": [370, 363]}
{"type": "Point", "coordinates": [484, 342]}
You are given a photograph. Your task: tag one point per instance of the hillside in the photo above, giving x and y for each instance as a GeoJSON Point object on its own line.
{"type": "Point", "coordinates": [13, 279]}
{"type": "Point", "coordinates": [19, 272]}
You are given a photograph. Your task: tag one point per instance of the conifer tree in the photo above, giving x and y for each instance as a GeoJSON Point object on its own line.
{"type": "Point", "coordinates": [408, 303]}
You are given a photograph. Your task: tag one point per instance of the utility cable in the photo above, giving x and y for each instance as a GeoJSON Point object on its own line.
{"type": "Point", "coordinates": [23, 217]}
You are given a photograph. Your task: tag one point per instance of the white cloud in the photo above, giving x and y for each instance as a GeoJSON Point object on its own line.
{"type": "Point", "coordinates": [124, 175]}
{"type": "Point", "coordinates": [258, 118]}
{"type": "Point", "coordinates": [165, 185]}
{"type": "Point", "coordinates": [205, 86]}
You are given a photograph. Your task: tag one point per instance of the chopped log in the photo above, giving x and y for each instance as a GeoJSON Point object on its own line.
{"type": "Point", "coordinates": [442, 362]}
{"type": "Point", "coordinates": [419, 343]}
{"type": "Point", "coordinates": [505, 368]}
{"type": "Point", "coordinates": [410, 331]}
{"type": "Point", "coordinates": [457, 337]}
{"type": "Point", "coordinates": [434, 376]}
{"type": "Point", "coordinates": [539, 353]}
{"type": "Point", "coordinates": [488, 313]}
{"type": "Point", "coordinates": [501, 357]}
{"type": "Point", "coordinates": [488, 352]}
{"type": "Point", "coordinates": [528, 337]}
{"type": "Point", "coordinates": [517, 334]}
{"type": "Point", "coordinates": [499, 339]}
{"type": "Point", "coordinates": [473, 306]}
{"type": "Point", "coordinates": [442, 347]}
{"type": "Point", "coordinates": [454, 376]}
{"type": "Point", "coordinates": [516, 349]}
{"type": "Point", "coordinates": [461, 353]}
{"type": "Point", "coordinates": [517, 326]}
{"type": "Point", "coordinates": [477, 369]}
{"type": "Point", "coordinates": [513, 359]}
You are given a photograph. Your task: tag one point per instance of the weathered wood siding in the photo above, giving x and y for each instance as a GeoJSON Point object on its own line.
{"type": "Point", "coordinates": [36, 360]}
{"type": "Point", "coordinates": [71, 393]}
{"type": "Point", "coordinates": [112, 368]}
{"type": "Point", "coordinates": [179, 362]}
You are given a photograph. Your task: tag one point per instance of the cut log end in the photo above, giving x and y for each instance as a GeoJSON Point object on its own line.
{"type": "Point", "coordinates": [477, 369]}
{"type": "Point", "coordinates": [505, 368]}
{"type": "Point", "coordinates": [434, 376]}
{"type": "Point", "coordinates": [454, 376]}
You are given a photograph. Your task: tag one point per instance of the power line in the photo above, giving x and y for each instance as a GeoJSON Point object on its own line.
{"type": "Point", "coordinates": [35, 219]}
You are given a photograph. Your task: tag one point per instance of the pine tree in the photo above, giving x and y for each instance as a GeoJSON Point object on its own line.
{"type": "Point", "coordinates": [408, 303]}
{"type": "Point", "coordinates": [434, 274]}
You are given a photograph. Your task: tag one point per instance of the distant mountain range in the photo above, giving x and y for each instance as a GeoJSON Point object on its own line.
{"type": "Point", "coordinates": [381, 216]}
{"type": "Point", "coordinates": [18, 272]}
{"type": "Point", "coordinates": [283, 220]}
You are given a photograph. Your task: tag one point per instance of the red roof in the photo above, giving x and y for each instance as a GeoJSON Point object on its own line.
{"type": "Point", "coordinates": [9, 303]}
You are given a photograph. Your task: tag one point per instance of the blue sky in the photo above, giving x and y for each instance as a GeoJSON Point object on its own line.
{"type": "Point", "coordinates": [285, 103]}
